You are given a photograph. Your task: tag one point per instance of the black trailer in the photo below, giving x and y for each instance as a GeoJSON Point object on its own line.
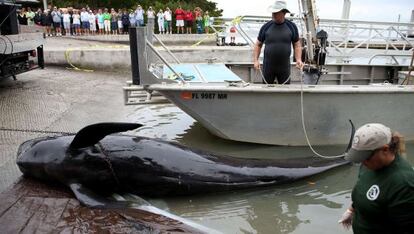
{"type": "Point", "coordinates": [19, 52]}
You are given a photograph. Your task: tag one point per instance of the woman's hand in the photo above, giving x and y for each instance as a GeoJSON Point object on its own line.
{"type": "Point", "coordinates": [346, 219]}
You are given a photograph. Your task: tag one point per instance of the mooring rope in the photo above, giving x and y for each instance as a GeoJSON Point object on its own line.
{"type": "Point", "coordinates": [35, 131]}
{"type": "Point", "coordinates": [304, 126]}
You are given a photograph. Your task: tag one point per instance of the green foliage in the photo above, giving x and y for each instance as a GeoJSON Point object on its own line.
{"type": "Point", "coordinates": [205, 5]}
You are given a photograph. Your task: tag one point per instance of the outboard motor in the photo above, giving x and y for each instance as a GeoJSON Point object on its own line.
{"type": "Point", "coordinates": [313, 68]}
{"type": "Point", "coordinates": [320, 49]}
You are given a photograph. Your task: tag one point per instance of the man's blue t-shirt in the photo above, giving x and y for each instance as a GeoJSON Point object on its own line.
{"type": "Point", "coordinates": [278, 39]}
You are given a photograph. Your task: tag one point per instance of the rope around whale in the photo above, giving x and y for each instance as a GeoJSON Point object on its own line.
{"type": "Point", "coordinates": [304, 126]}
{"type": "Point", "coordinates": [106, 159]}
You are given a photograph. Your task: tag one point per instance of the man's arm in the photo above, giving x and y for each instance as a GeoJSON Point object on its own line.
{"type": "Point", "coordinates": [297, 46]}
{"type": "Point", "coordinates": [256, 54]}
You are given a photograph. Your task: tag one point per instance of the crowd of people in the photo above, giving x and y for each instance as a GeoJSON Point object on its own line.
{"type": "Point", "coordinates": [69, 21]}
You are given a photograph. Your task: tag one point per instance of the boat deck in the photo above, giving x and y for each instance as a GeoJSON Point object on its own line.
{"type": "Point", "coordinates": [197, 72]}
{"type": "Point", "coordinates": [34, 207]}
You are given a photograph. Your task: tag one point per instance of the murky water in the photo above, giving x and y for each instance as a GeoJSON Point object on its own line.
{"type": "Point", "coordinates": [313, 205]}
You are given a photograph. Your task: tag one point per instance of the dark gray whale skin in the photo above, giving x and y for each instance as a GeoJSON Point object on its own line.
{"type": "Point", "coordinates": [150, 167]}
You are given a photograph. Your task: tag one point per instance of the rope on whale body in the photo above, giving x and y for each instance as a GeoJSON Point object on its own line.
{"type": "Point", "coordinates": [106, 159]}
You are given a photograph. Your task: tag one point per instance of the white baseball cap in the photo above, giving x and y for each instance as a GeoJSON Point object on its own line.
{"type": "Point", "coordinates": [278, 6]}
{"type": "Point", "coordinates": [367, 139]}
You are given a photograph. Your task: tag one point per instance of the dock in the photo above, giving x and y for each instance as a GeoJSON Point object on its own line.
{"type": "Point", "coordinates": [31, 206]}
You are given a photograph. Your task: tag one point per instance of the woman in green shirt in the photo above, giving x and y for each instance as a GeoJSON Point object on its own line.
{"type": "Point", "coordinates": [30, 15]}
{"type": "Point", "coordinates": [107, 21]}
{"type": "Point", "coordinates": [206, 20]}
{"type": "Point", "coordinates": [383, 197]}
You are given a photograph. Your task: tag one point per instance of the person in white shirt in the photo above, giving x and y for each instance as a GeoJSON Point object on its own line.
{"type": "Point", "coordinates": [120, 25]}
{"type": "Point", "coordinates": [76, 22]}
{"type": "Point", "coordinates": [92, 22]}
{"type": "Point", "coordinates": [151, 17]}
{"type": "Point", "coordinates": [160, 17]}
{"type": "Point", "coordinates": [168, 18]}
{"type": "Point", "coordinates": [84, 15]}
{"type": "Point", "coordinates": [139, 16]}
{"type": "Point", "coordinates": [66, 22]}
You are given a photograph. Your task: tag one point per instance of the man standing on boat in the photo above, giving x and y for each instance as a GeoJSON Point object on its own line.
{"type": "Point", "coordinates": [278, 35]}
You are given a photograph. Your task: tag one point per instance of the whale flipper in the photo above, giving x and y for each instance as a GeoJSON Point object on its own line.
{"type": "Point", "coordinates": [92, 134]}
{"type": "Point", "coordinates": [86, 197]}
{"type": "Point", "coordinates": [90, 199]}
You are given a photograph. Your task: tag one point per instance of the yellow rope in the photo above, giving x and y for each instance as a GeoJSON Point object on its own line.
{"type": "Point", "coordinates": [202, 40]}
{"type": "Point", "coordinates": [68, 60]}
{"type": "Point", "coordinates": [72, 66]}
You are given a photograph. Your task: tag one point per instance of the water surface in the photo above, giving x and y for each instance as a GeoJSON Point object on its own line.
{"type": "Point", "coordinates": [312, 205]}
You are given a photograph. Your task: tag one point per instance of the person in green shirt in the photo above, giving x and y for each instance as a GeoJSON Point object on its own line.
{"type": "Point", "coordinates": [206, 21]}
{"type": "Point", "coordinates": [383, 197]}
{"type": "Point", "coordinates": [30, 15]}
{"type": "Point", "coordinates": [107, 21]}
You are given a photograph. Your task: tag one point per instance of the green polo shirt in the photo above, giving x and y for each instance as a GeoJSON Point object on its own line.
{"type": "Point", "coordinates": [384, 199]}
{"type": "Point", "coordinates": [107, 16]}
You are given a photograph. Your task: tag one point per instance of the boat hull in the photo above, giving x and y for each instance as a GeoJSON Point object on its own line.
{"type": "Point", "coordinates": [272, 115]}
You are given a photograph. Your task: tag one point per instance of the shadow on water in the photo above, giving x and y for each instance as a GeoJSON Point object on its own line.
{"type": "Point", "coordinates": [198, 137]}
{"type": "Point", "coordinates": [170, 123]}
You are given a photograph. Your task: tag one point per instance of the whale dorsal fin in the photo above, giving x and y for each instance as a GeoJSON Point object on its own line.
{"type": "Point", "coordinates": [92, 134]}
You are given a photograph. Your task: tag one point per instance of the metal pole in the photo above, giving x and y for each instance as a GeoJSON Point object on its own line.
{"type": "Point", "coordinates": [408, 78]}
{"type": "Point", "coordinates": [134, 55]}
{"type": "Point", "coordinates": [44, 4]}
{"type": "Point", "coordinates": [149, 44]}
{"type": "Point", "coordinates": [149, 34]}
{"type": "Point", "coordinates": [40, 57]}
{"type": "Point", "coordinates": [166, 48]}
{"type": "Point", "coordinates": [346, 9]}
{"type": "Point", "coordinates": [411, 29]}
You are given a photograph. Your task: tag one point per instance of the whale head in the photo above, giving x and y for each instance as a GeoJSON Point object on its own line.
{"type": "Point", "coordinates": [34, 156]}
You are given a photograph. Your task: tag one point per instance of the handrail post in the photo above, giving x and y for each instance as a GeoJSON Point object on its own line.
{"type": "Point", "coordinates": [139, 62]}
{"type": "Point", "coordinates": [133, 39]}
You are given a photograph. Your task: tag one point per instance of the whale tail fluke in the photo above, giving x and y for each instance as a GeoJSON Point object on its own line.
{"type": "Point", "coordinates": [92, 134]}
{"type": "Point", "coordinates": [352, 136]}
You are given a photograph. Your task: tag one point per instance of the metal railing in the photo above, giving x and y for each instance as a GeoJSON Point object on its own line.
{"type": "Point", "coordinates": [392, 56]}
{"type": "Point", "coordinates": [345, 36]}
{"type": "Point", "coordinates": [166, 48]}
{"type": "Point", "coordinates": [155, 51]}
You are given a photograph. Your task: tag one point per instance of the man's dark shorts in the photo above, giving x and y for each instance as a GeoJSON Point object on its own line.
{"type": "Point", "coordinates": [279, 71]}
{"type": "Point", "coordinates": [189, 23]}
{"type": "Point", "coordinates": [85, 25]}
